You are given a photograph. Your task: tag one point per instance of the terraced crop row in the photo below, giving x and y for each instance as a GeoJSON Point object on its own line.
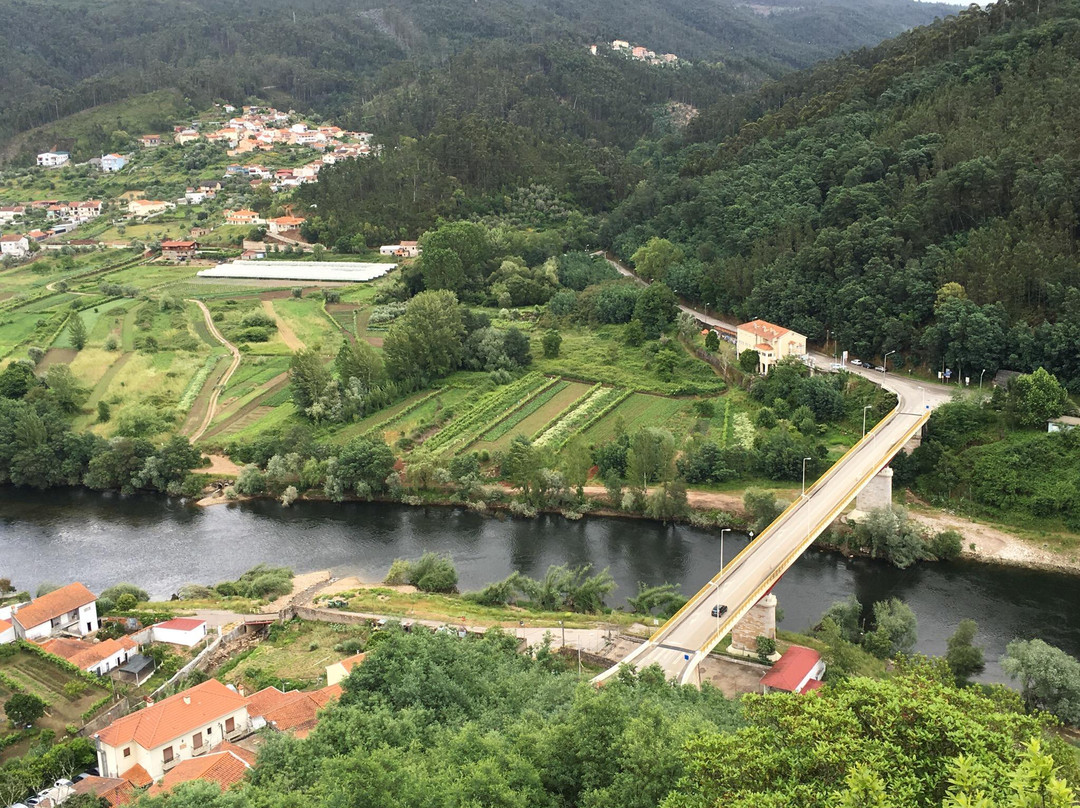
{"type": "Point", "coordinates": [462, 431]}
{"type": "Point", "coordinates": [580, 415]}
{"type": "Point", "coordinates": [527, 408]}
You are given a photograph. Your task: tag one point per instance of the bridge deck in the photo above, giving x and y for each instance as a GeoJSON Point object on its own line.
{"type": "Point", "coordinates": [681, 643]}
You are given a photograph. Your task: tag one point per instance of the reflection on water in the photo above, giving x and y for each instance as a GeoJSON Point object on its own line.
{"type": "Point", "coordinates": [161, 544]}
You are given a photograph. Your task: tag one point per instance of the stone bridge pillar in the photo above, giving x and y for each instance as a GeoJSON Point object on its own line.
{"type": "Point", "coordinates": [877, 494]}
{"type": "Point", "coordinates": [760, 621]}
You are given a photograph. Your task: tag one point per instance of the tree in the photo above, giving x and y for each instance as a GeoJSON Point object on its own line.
{"type": "Point", "coordinates": [77, 332]}
{"type": "Point", "coordinates": [890, 534]}
{"type": "Point", "coordinates": [552, 341]}
{"type": "Point", "coordinates": [749, 360]}
{"type": "Point", "coordinates": [712, 342]}
{"type": "Point", "coordinates": [895, 629]}
{"type": "Point", "coordinates": [17, 379]}
{"type": "Point", "coordinates": [656, 309]}
{"type": "Point", "coordinates": [308, 378]}
{"type": "Point", "coordinates": [359, 360]}
{"type": "Point", "coordinates": [847, 614]}
{"type": "Point", "coordinates": [965, 659]}
{"type": "Point", "coordinates": [442, 269]}
{"type": "Point", "coordinates": [650, 457]}
{"type": "Point", "coordinates": [364, 462]}
{"type": "Point", "coordinates": [1036, 398]}
{"type": "Point", "coordinates": [653, 259]}
{"type": "Point", "coordinates": [24, 709]}
{"type": "Point", "coordinates": [516, 347]}
{"type": "Point", "coordinates": [1049, 678]}
{"type": "Point", "coordinates": [426, 341]}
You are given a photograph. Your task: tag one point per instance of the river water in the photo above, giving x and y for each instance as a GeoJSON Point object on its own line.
{"type": "Point", "coordinates": [161, 544]}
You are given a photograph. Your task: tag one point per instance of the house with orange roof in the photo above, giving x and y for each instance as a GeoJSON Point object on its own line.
{"type": "Point", "coordinates": [283, 223]}
{"type": "Point", "coordinates": [295, 712]}
{"type": "Point", "coordinates": [71, 609]}
{"type": "Point", "coordinates": [176, 729]}
{"type": "Point", "coordinates": [186, 631]}
{"type": "Point", "coordinates": [147, 207]}
{"type": "Point", "coordinates": [95, 657]}
{"type": "Point", "coordinates": [150, 141]}
{"type": "Point", "coordinates": [772, 343]}
{"type": "Point", "coordinates": [7, 632]}
{"type": "Point", "coordinates": [14, 245]}
{"type": "Point", "coordinates": [226, 766]}
{"type": "Point", "coordinates": [242, 216]}
{"type": "Point", "coordinates": [114, 790]}
{"type": "Point", "coordinates": [799, 670]}
{"type": "Point", "coordinates": [340, 670]}
{"type": "Point", "coordinates": [179, 250]}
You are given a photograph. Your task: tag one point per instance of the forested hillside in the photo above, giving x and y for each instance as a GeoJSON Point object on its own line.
{"type": "Point", "coordinates": [920, 197]}
{"type": "Point", "coordinates": [328, 56]}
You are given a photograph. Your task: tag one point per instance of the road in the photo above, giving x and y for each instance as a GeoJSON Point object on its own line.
{"type": "Point", "coordinates": [211, 405]}
{"type": "Point", "coordinates": [680, 644]}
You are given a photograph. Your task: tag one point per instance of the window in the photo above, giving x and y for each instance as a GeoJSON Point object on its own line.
{"type": "Point", "coordinates": [127, 751]}
{"type": "Point", "coordinates": [167, 754]}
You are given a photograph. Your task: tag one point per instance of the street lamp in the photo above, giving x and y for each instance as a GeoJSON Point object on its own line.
{"type": "Point", "coordinates": [563, 633]}
{"type": "Point", "coordinates": [864, 409]}
{"type": "Point", "coordinates": [722, 532]}
{"type": "Point", "coordinates": [885, 361]}
{"type": "Point", "coordinates": [980, 378]}
{"type": "Point", "coordinates": [804, 475]}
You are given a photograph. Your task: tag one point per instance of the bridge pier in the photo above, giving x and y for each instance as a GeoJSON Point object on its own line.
{"type": "Point", "coordinates": [877, 494]}
{"type": "Point", "coordinates": [760, 621]}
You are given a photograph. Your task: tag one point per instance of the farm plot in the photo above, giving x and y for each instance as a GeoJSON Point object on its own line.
{"type": "Point", "coordinates": [588, 409]}
{"type": "Point", "coordinates": [464, 430]}
{"type": "Point", "coordinates": [306, 319]}
{"type": "Point", "coordinates": [531, 415]}
{"type": "Point", "coordinates": [636, 411]}
{"type": "Point", "coordinates": [47, 680]}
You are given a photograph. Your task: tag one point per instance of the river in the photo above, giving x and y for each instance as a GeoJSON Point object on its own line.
{"type": "Point", "coordinates": [161, 544]}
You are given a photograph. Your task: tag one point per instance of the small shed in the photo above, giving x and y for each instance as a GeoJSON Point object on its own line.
{"type": "Point", "coordinates": [186, 631]}
{"type": "Point", "coordinates": [1063, 424]}
{"type": "Point", "coordinates": [799, 670]}
{"type": "Point", "coordinates": [136, 670]}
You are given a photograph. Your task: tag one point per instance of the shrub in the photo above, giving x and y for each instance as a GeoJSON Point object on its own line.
{"type": "Point", "coordinates": [946, 545]}
{"type": "Point", "coordinates": [126, 602]}
{"type": "Point", "coordinates": [433, 572]}
{"type": "Point", "coordinates": [114, 592]}
{"type": "Point", "coordinates": [766, 647]}
{"type": "Point", "coordinates": [24, 708]}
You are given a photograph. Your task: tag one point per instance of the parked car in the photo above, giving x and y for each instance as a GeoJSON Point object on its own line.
{"type": "Point", "coordinates": [719, 610]}
{"type": "Point", "coordinates": [63, 783]}
{"type": "Point", "coordinates": [836, 366]}
{"type": "Point", "coordinates": [879, 368]}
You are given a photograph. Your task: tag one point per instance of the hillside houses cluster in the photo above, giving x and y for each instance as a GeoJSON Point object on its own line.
{"type": "Point", "coordinates": [638, 52]}
{"type": "Point", "coordinates": [62, 216]}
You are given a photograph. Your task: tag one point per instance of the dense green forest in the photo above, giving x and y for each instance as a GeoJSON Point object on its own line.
{"type": "Point", "coordinates": [332, 57]}
{"type": "Point", "coordinates": [918, 197]}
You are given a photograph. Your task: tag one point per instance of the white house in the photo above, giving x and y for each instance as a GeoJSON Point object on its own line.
{"type": "Point", "coordinates": [772, 343]}
{"type": "Point", "coordinates": [406, 249]}
{"type": "Point", "coordinates": [339, 670]}
{"type": "Point", "coordinates": [112, 162]}
{"type": "Point", "coordinates": [7, 632]}
{"type": "Point", "coordinates": [10, 212]}
{"type": "Point", "coordinates": [1063, 424]}
{"type": "Point", "coordinates": [799, 670]}
{"type": "Point", "coordinates": [68, 610]}
{"type": "Point", "coordinates": [178, 728]}
{"type": "Point", "coordinates": [14, 245]}
{"type": "Point", "coordinates": [186, 631]}
{"type": "Point", "coordinates": [95, 657]}
{"type": "Point", "coordinates": [51, 159]}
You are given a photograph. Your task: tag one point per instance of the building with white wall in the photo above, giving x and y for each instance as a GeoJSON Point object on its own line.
{"type": "Point", "coordinates": [69, 610]}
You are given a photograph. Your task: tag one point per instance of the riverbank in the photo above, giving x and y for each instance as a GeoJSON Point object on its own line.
{"type": "Point", "coordinates": [981, 542]}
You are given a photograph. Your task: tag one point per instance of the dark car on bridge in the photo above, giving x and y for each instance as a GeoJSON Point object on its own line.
{"type": "Point", "coordinates": [719, 610]}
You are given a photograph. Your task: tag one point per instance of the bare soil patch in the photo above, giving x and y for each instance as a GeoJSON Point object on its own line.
{"type": "Point", "coordinates": [288, 336]}
{"type": "Point", "coordinates": [58, 356]}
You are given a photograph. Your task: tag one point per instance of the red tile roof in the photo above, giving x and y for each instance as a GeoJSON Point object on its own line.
{"type": "Point", "coordinates": [351, 662]}
{"type": "Point", "coordinates": [116, 790]}
{"type": "Point", "coordinates": [244, 754]}
{"type": "Point", "coordinates": [790, 670]}
{"type": "Point", "coordinates": [59, 602]}
{"type": "Point", "coordinates": [763, 329]}
{"type": "Point", "coordinates": [224, 768]}
{"type": "Point", "coordinates": [173, 717]}
{"type": "Point", "coordinates": [292, 711]}
{"type": "Point", "coordinates": [179, 245]}
{"type": "Point", "coordinates": [181, 624]}
{"type": "Point", "coordinates": [138, 776]}
{"type": "Point", "coordinates": [85, 654]}
{"type": "Point", "coordinates": [4, 626]}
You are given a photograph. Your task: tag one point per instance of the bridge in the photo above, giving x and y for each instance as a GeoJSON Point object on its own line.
{"type": "Point", "coordinates": [680, 645]}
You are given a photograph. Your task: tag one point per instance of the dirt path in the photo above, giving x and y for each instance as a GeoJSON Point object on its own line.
{"type": "Point", "coordinates": [996, 545]}
{"type": "Point", "coordinates": [698, 500]}
{"type": "Point", "coordinates": [268, 389]}
{"type": "Point", "coordinates": [288, 336]}
{"type": "Point", "coordinates": [211, 406]}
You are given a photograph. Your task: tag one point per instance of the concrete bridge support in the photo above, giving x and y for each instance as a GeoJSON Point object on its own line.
{"type": "Point", "coordinates": [760, 621]}
{"type": "Point", "coordinates": [877, 494]}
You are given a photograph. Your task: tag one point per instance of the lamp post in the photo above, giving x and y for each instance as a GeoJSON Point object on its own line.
{"type": "Point", "coordinates": [885, 361]}
{"type": "Point", "coordinates": [722, 532]}
{"type": "Point", "coordinates": [804, 475]}
{"type": "Point", "coordinates": [563, 633]}
{"type": "Point", "coordinates": [980, 378]}
{"type": "Point", "coordinates": [864, 409]}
